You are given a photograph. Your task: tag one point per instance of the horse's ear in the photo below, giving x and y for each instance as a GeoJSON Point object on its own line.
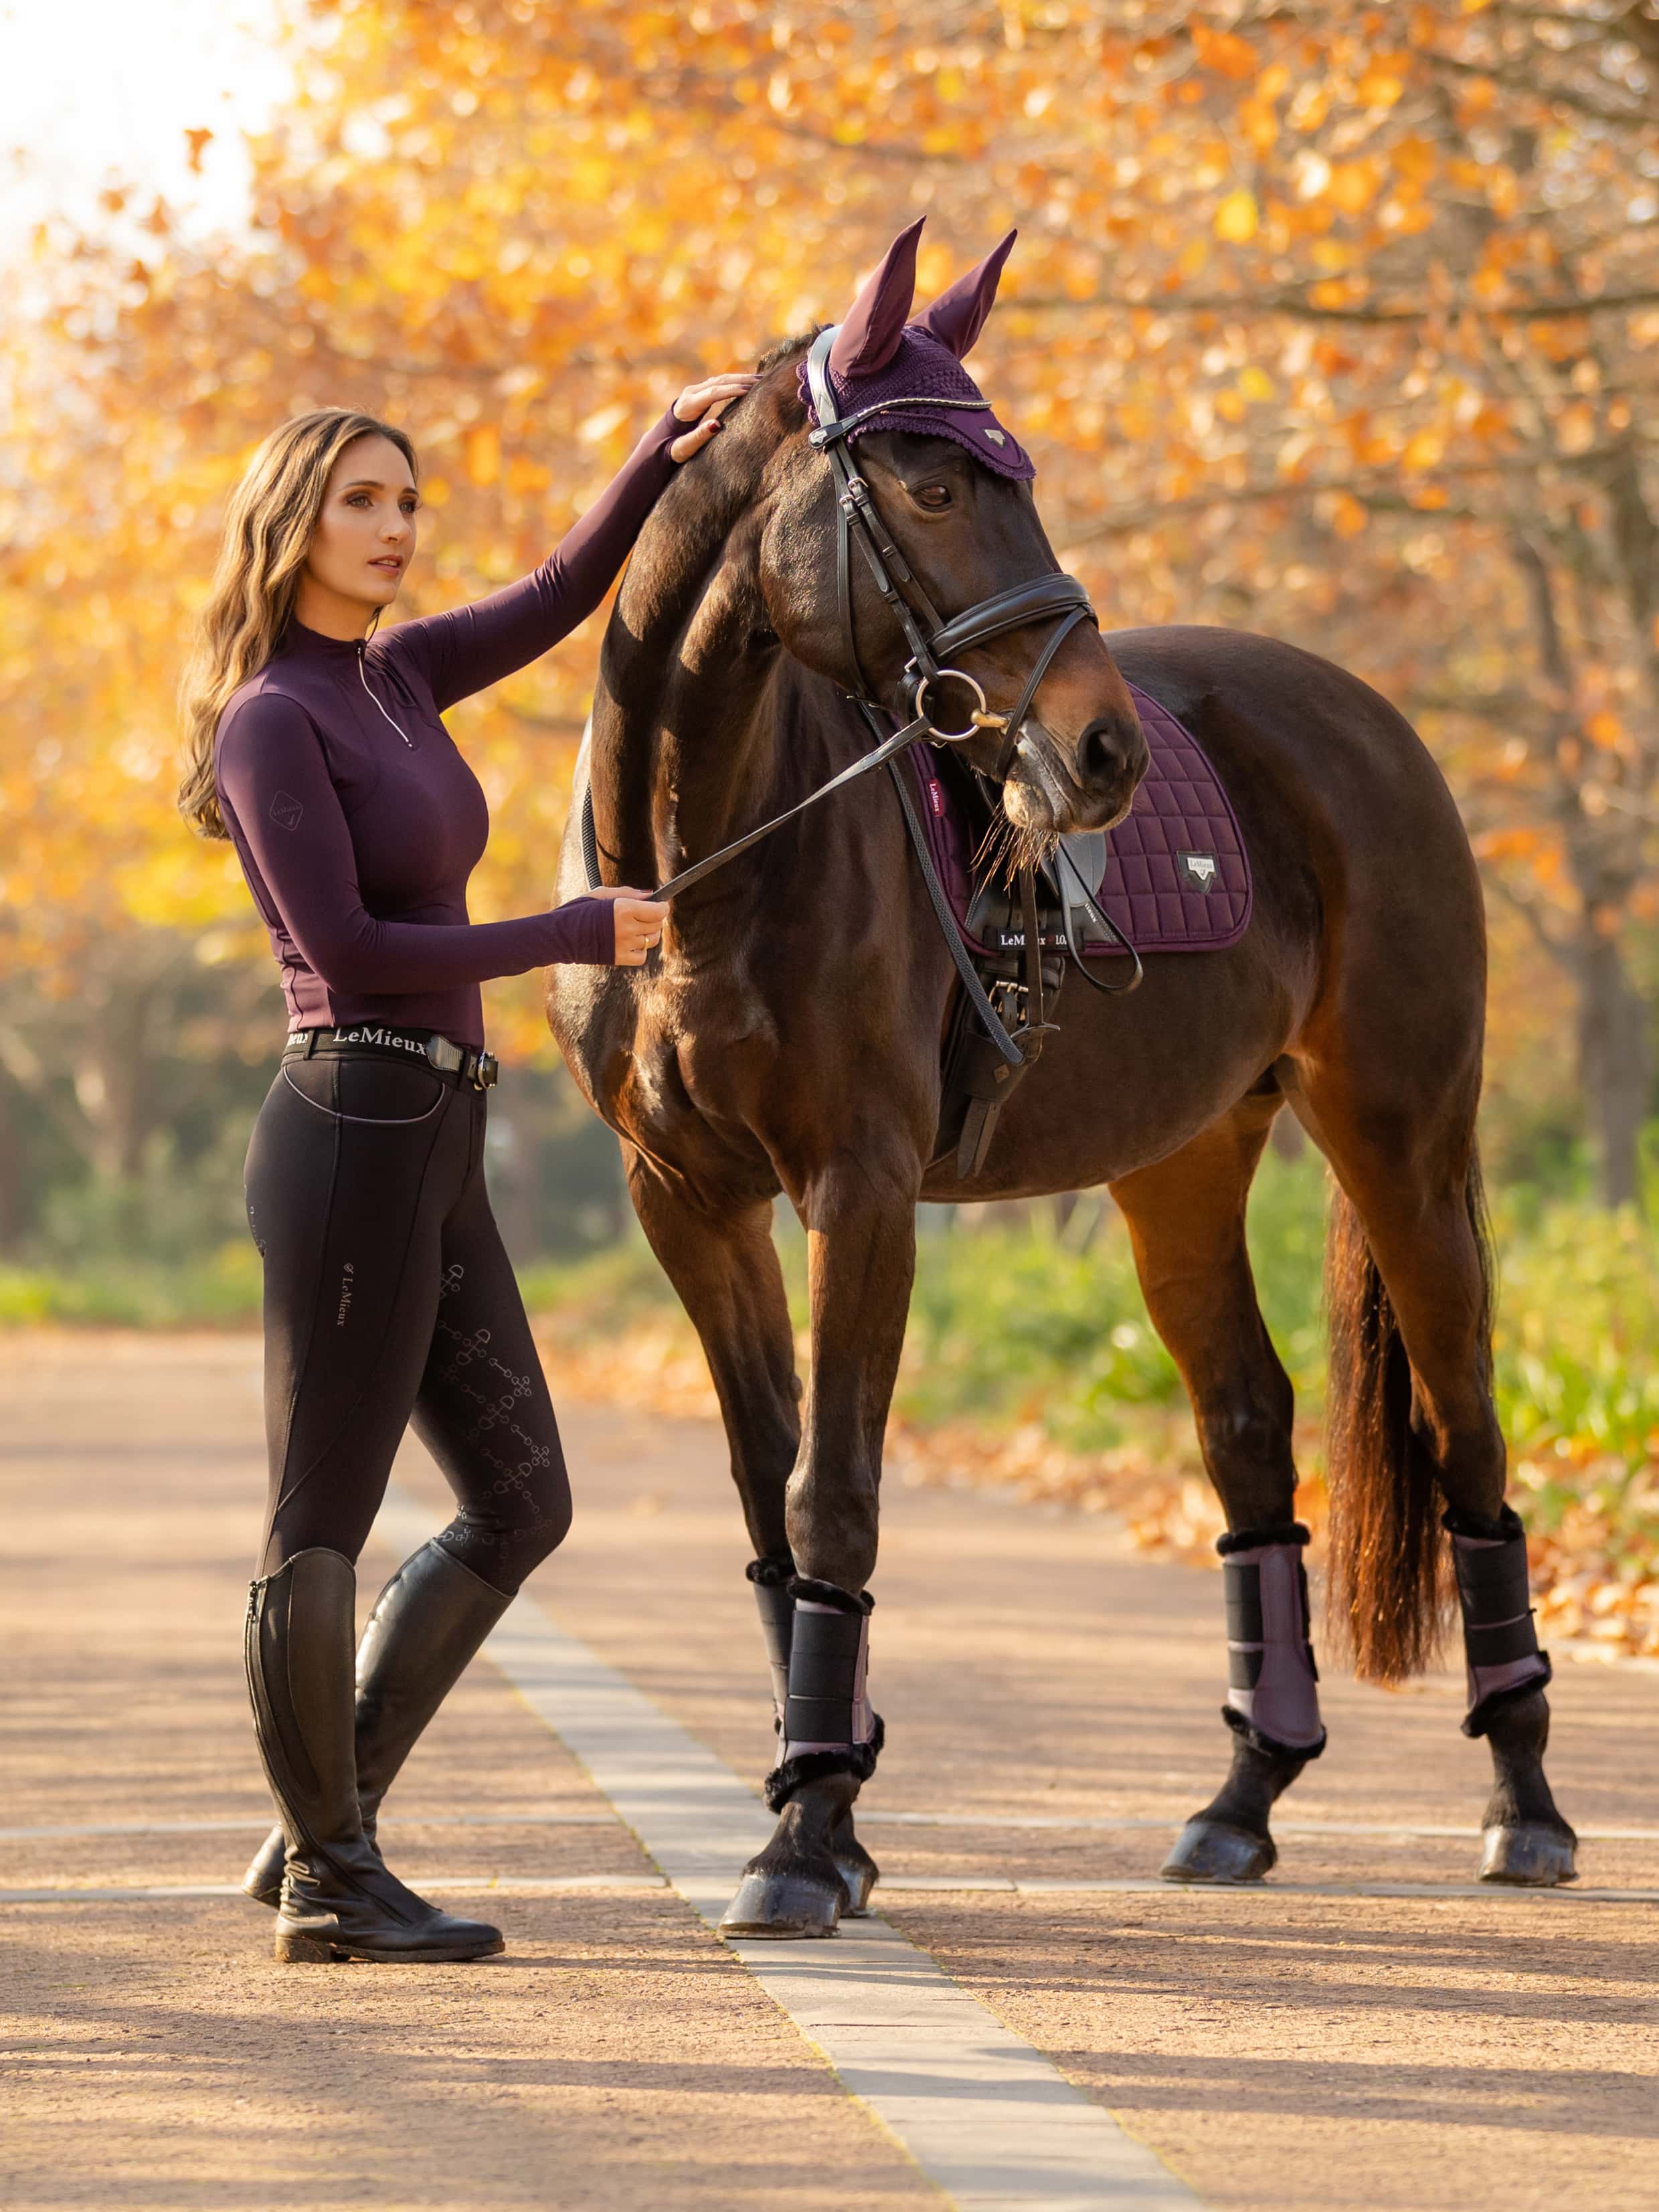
{"type": "Point", "coordinates": [958, 316]}
{"type": "Point", "coordinates": [869, 337]}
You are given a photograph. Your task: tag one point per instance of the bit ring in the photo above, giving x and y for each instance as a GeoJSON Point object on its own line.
{"type": "Point", "coordinates": [959, 676]}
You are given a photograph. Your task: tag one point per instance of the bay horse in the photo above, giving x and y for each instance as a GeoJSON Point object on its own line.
{"type": "Point", "coordinates": [787, 1039]}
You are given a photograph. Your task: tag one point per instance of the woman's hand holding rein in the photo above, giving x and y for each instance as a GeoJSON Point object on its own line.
{"type": "Point", "coordinates": [704, 404]}
{"type": "Point", "coordinates": [639, 922]}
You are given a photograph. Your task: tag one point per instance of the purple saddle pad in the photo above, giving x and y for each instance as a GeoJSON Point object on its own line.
{"type": "Point", "coordinates": [1177, 875]}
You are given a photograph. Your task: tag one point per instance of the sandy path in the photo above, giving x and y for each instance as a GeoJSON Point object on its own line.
{"type": "Point", "coordinates": [1315, 2052]}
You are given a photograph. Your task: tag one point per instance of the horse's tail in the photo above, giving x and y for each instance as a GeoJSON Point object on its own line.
{"type": "Point", "coordinates": [1389, 1587]}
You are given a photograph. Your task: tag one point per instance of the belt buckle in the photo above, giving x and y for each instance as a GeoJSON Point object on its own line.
{"type": "Point", "coordinates": [486, 1071]}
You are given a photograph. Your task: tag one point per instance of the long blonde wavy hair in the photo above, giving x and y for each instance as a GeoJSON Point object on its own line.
{"type": "Point", "coordinates": [268, 530]}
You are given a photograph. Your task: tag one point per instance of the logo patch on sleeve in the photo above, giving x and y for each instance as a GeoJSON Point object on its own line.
{"type": "Point", "coordinates": [286, 811]}
{"type": "Point", "coordinates": [1198, 870]}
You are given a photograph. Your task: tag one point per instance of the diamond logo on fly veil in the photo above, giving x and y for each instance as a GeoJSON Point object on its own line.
{"type": "Point", "coordinates": [1199, 870]}
{"type": "Point", "coordinates": [286, 810]}
{"type": "Point", "coordinates": [995, 437]}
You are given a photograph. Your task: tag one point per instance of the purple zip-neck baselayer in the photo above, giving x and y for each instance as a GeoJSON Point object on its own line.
{"type": "Point", "coordinates": [357, 837]}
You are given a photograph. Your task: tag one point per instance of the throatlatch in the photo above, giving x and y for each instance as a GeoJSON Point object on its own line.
{"type": "Point", "coordinates": [829, 1726]}
{"type": "Point", "coordinates": [1272, 1694]}
{"type": "Point", "coordinates": [1500, 1639]}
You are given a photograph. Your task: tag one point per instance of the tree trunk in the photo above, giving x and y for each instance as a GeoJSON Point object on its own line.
{"type": "Point", "coordinates": [1614, 1065]}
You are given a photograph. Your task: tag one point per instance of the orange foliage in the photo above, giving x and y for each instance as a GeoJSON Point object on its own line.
{"type": "Point", "coordinates": [1306, 328]}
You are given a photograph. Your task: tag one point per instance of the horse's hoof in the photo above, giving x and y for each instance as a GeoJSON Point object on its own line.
{"type": "Point", "coordinates": [783, 1906]}
{"type": "Point", "coordinates": [860, 1876]}
{"type": "Point", "coordinates": [1528, 1855]}
{"type": "Point", "coordinates": [1208, 1851]}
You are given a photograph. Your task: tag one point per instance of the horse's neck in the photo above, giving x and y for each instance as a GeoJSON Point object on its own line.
{"type": "Point", "coordinates": [685, 725]}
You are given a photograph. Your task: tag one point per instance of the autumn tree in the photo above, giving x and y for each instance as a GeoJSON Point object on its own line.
{"type": "Point", "coordinates": [1340, 322]}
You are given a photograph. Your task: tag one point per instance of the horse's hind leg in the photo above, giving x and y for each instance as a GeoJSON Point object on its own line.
{"type": "Point", "coordinates": [724, 1265]}
{"type": "Point", "coordinates": [1186, 1217]}
{"type": "Point", "coordinates": [1410, 1414]}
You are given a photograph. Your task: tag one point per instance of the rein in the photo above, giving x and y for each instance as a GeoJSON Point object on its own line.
{"type": "Point", "coordinates": [932, 640]}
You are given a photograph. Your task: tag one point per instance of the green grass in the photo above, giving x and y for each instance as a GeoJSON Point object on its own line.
{"type": "Point", "coordinates": [220, 1290]}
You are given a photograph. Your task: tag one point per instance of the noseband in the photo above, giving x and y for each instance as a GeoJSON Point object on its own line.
{"type": "Point", "coordinates": [1057, 597]}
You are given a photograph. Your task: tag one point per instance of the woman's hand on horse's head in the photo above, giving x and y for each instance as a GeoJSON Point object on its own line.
{"type": "Point", "coordinates": [704, 403]}
{"type": "Point", "coordinates": [639, 921]}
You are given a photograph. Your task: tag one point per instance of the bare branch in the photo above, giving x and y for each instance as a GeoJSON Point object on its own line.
{"type": "Point", "coordinates": [1297, 305]}
{"type": "Point", "coordinates": [1563, 950]}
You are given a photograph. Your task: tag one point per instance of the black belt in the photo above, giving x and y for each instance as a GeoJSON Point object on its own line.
{"type": "Point", "coordinates": [478, 1067]}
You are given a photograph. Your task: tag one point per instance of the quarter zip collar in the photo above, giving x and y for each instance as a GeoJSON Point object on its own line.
{"type": "Point", "coordinates": [297, 639]}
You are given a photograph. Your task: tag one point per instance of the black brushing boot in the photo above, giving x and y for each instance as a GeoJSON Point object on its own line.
{"type": "Point", "coordinates": [1524, 1839]}
{"type": "Point", "coordinates": [1272, 1707]}
{"type": "Point", "coordinates": [829, 1744]}
{"type": "Point", "coordinates": [771, 1579]}
{"type": "Point", "coordinates": [339, 1900]}
{"type": "Point", "coordinates": [427, 1625]}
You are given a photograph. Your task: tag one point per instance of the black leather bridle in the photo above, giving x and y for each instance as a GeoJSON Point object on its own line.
{"type": "Point", "coordinates": [933, 639]}
{"type": "Point", "coordinates": [1056, 598]}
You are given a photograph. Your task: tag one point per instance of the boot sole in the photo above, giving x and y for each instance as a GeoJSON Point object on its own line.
{"type": "Point", "coordinates": [320, 1951]}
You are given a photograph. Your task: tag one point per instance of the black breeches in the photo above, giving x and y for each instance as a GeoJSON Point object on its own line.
{"type": "Point", "coordinates": [389, 1297]}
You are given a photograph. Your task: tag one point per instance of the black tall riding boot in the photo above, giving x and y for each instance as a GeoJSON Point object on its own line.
{"type": "Point", "coordinates": [339, 1900]}
{"type": "Point", "coordinates": [427, 1625]}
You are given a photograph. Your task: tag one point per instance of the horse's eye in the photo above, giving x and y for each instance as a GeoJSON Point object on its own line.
{"type": "Point", "coordinates": [933, 495]}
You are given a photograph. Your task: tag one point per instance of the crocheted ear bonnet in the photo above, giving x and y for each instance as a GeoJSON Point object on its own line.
{"type": "Point", "coordinates": [880, 358]}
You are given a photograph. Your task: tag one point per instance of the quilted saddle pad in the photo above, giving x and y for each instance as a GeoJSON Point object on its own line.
{"type": "Point", "coordinates": [1174, 875]}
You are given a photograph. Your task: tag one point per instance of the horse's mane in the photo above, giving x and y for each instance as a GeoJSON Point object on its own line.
{"type": "Point", "coordinates": [786, 348]}
{"type": "Point", "coordinates": [698, 506]}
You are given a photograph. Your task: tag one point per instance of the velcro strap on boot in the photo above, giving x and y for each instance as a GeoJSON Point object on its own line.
{"type": "Point", "coordinates": [1491, 1576]}
{"type": "Point", "coordinates": [771, 1579]}
{"type": "Point", "coordinates": [1241, 1587]}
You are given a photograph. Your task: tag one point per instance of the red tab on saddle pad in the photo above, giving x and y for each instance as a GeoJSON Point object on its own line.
{"type": "Point", "coordinates": [1177, 875]}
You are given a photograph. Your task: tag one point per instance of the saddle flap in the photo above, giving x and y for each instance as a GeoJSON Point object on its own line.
{"type": "Point", "coordinates": [992, 917]}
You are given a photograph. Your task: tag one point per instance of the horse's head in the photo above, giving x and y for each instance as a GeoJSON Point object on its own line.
{"type": "Point", "coordinates": [949, 488]}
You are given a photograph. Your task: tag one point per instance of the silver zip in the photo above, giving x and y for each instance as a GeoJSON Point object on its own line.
{"type": "Point", "coordinates": [363, 679]}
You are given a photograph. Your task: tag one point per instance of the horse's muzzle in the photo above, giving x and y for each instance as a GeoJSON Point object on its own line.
{"type": "Point", "coordinates": [1055, 787]}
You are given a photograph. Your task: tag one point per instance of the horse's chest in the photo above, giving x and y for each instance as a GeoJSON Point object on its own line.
{"type": "Point", "coordinates": [701, 1062]}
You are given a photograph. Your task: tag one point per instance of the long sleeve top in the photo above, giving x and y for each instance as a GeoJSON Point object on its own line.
{"type": "Point", "coordinates": [356, 820]}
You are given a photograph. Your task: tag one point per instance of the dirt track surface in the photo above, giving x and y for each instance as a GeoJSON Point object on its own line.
{"type": "Point", "coordinates": [1490, 2054]}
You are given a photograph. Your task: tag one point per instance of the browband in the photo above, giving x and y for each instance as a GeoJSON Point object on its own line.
{"type": "Point", "coordinates": [838, 428]}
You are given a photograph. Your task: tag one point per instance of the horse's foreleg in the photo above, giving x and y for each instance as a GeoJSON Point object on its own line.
{"type": "Point", "coordinates": [861, 1230]}
{"type": "Point", "coordinates": [1186, 1217]}
{"type": "Point", "coordinates": [724, 1265]}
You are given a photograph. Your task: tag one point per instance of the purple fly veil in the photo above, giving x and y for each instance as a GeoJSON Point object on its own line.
{"type": "Point", "coordinates": [879, 359]}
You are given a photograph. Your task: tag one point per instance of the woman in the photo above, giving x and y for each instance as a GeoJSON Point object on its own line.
{"type": "Point", "coordinates": [322, 757]}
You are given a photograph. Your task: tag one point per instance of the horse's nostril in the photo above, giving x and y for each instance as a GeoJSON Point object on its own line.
{"type": "Point", "coordinates": [1104, 749]}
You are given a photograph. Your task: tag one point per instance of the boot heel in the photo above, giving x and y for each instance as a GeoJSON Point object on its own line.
{"type": "Point", "coordinates": [304, 1951]}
